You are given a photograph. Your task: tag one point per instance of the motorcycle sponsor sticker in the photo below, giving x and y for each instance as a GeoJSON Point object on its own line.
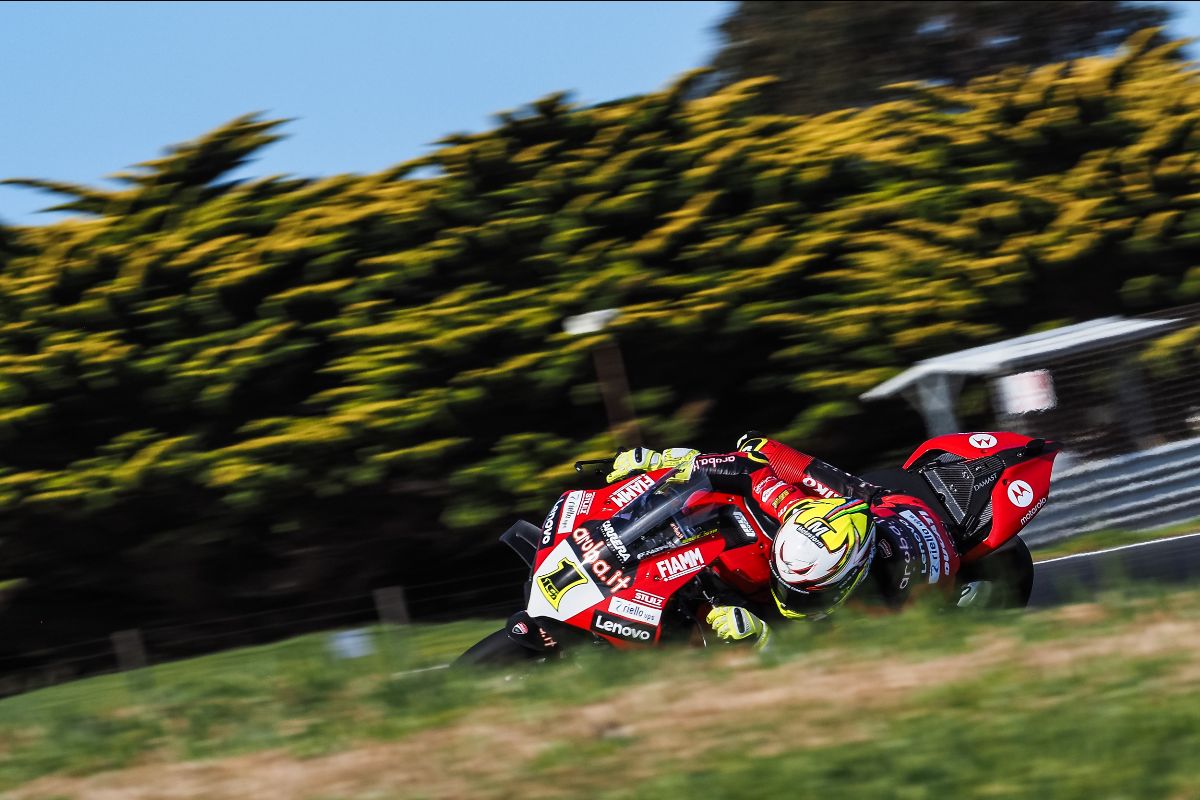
{"type": "Point", "coordinates": [907, 576]}
{"type": "Point", "coordinates": [939, 564]}
{"type": "Point", "coordinates": [684, 563]}
{"type": "Point", "coordinates": [983, 484]}
{"type": "Point", "coordinates": [982, 441]}
{"type": "Point", "coordinates": [712, 461]}
{"type": "Point", "coordinates": [818, 532]}
{"type": "Point", "coordinates": [655, 550]}
{"type": "Point", "coordinates": [773, 486]}
{"type": "Point", "coordinates": [548, 525]}
{"type": "Point", "coordinates": [634, 611]}
{"type": "Point", "coordinates": [928, 520]}
{"type": "Point", "coordinates": [589, 550]}
{"type": "Point", "coordinates": [932, 525]}
{"type": "Point", "coordinates": [621, 629]}
{"type": "Point", "coordinates": [570, 511]}
{"type": "Point", "coordinates": [684, 535]}
{"type": "Point", "coordinates": [812, 483]}
{"type": "Point", "coordinates": [631, 491]}
{"type": "Point", "coordinates": [779, 498]}
{"type": "Point", "coordinates": [744, 525]}
{"type": "Point", "coordinates": [1020, 494]}
{"type": "Point", "coordinates": [614, 542]}
{"type": "Point", "coordinates": [648, 598]}
{"type": "Point", "coordinates": [520, 629]}
{"type": "Point", "coordinates": [585, 505]}
{"type": "Point", "coordinates": [1031, 513]}
{"type": "Point", "coordinates": [588, 543]}
{"type": "Point", "coordinates": [885, 549]}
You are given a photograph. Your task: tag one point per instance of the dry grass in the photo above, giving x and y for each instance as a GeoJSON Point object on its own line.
{"type": "Point", "coordinates": [827, 695]}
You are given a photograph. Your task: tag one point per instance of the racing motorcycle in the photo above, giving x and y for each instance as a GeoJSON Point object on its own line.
{"type": "Point", "coordinates": [638, 563]}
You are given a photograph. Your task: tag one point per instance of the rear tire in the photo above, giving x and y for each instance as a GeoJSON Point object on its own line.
{"type": "Point", "coordinates": [496, 650]}
{"type": "Point", "coordinates": [1010, 569]}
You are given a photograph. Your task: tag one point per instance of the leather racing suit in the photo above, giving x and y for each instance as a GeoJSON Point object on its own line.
{"type": "Point", "coordinates": [913, 548]}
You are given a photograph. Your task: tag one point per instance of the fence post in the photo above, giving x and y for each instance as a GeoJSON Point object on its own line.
{"type": "Point", "coordinates": [131, 658]}
{"type": "Point", "coordinates": [391, 605]}
{"type": "Point", "coordinates": [393, 613]}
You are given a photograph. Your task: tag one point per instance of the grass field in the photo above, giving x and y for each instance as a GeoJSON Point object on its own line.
{"type": "Point", "coordinates": [1091, 700]}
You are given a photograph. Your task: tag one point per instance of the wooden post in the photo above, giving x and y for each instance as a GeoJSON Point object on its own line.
{"type": "Point", "coordinates": [393, 613]}
{"type": "Point", "coordinates": [391, 605]}
{"type": "Point", "coordinates": [614, 388]}
{"type": "Point", "coordinates": [131, 658]}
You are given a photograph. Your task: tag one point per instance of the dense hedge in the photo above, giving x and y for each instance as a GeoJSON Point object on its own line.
{"type": "Point", "coordinates": [272, 385]}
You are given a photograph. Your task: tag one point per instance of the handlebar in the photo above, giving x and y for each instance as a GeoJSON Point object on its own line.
{"type": "Point", "coordinates": [598, 466]}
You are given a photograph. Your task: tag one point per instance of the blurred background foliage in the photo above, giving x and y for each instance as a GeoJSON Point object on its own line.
{"type": "Point", "coordinates": [217, 394]}
{"type": "Point", "coordinates": [830, 55]}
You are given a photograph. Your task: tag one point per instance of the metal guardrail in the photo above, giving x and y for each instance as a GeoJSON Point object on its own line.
{"type": "Point", "coordinates": [1149, 488]}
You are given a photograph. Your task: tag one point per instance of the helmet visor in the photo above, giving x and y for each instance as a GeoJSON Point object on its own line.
{"type": "Point", "coordinates": [794, 602]}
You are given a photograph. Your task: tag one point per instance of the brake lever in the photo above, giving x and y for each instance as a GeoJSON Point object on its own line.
{"type": "Point", "coordinates": [593, 474]}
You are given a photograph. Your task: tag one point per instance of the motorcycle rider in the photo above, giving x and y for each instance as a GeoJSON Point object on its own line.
{"type": "Point", "coordinates": [836, 531]}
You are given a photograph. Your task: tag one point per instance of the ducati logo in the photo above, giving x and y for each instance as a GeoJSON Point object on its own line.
{"type": "Point", "coordinates": [982, 441]}
{"type": "Point", "coordinates": [1020, 494]}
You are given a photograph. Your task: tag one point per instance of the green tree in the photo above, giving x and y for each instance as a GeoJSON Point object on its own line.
{"type": "Point", "coordinates": [217, 395]}
{"type": "Point", "coordinates": [829, 55]}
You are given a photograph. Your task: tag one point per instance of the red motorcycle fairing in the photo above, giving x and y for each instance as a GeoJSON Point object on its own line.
{"type": "Point", "coordinates": [1021, 489]}
{"type": "Point", "coordinates": [586, 577]}
{"type": "Point", "coordinates": [969, 445]}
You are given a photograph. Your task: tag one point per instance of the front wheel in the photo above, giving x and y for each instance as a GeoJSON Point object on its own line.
{"type": "Point", "coordinates": [497, 649]}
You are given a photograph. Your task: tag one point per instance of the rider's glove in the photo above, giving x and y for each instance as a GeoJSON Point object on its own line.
{"type": "Point", "coordinates": [644, 460]}
{"type": "Point", "coordinates": [734, 623]}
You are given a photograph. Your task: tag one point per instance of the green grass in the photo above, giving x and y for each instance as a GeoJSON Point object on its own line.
{"type": "Point", "coordinates": [1101, 540]}
{"type": "Point", "coordinates": [985, 738]}
{"type": "Point", "coordinates": [1121, 723]}
{"type": "Point", "coordinates": [293, 694]}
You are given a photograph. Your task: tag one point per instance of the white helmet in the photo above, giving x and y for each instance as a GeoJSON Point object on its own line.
{"type": "Point", "coordinates": [820, 554]}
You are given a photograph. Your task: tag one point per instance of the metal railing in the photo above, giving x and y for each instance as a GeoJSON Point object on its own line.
{"type": "Point", "coordinates": [1146, 489]}
{"type": "Point", "coordinates": [1129, 426]}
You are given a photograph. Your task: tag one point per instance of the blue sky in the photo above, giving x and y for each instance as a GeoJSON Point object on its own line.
{"type": "Point", "coordinates": [88, 89]}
